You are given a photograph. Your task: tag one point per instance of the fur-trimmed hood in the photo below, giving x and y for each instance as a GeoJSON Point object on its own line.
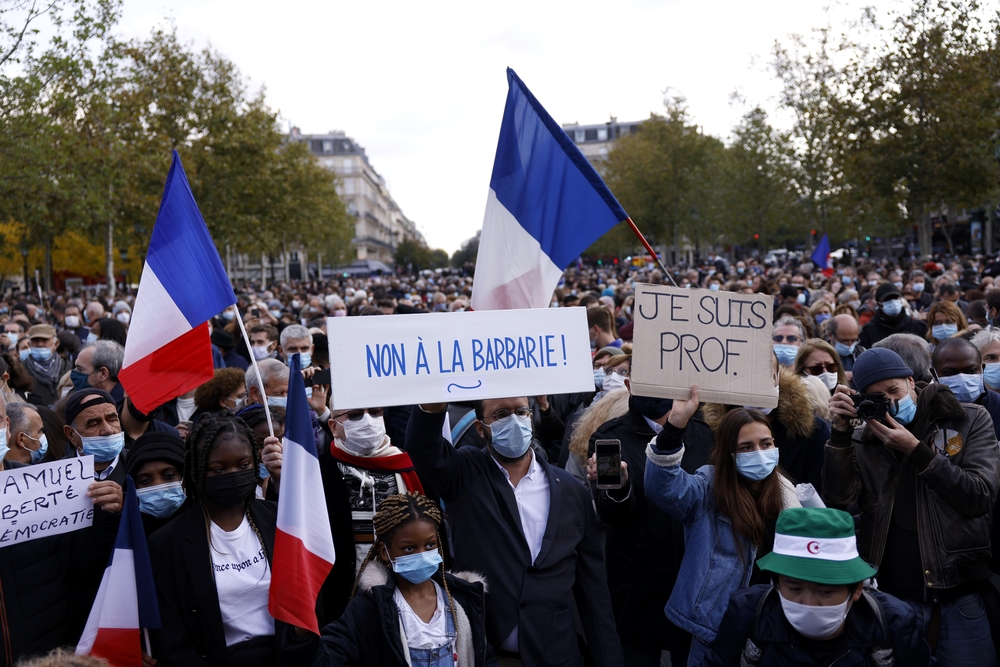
{"type": "Point", "coordinates": [794, 411]}
{"type": "Point", "coordinates": [377, 574]}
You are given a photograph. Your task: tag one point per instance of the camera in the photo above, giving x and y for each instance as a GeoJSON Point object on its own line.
{"type": "Point", "coordinates": [870, 406]}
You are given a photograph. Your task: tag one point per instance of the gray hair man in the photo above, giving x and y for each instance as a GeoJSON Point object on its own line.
{"type": "Point", "coordinates": [788, 335]}
{"type": "Point", "coordinates": [915, 352]}
{"type": "Point", "coordinates": [297, 339]}
{"type": "Point", "coordinates": [97, 365]}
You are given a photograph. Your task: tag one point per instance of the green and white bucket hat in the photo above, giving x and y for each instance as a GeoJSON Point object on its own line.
{"type": "Point", "coordinates": [818, 545]}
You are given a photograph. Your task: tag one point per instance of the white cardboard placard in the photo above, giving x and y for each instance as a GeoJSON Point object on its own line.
{"type": "Point", "coordinates": [447, 357]}
{"type": "Point", "coordinates": [45, 499]}
{"type": "Point", "coordinates": [720, 341]}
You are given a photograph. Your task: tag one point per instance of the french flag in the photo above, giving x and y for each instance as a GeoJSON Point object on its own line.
{"type": "Point", "coordinates": [168, 350]}
{"type": "Point", "coordinates": [126, 599]}
{"type": "Point", "coordinates": [546, 205]}
{"type": "Point", "coordinates": [821, 256]}
{"type": "Point", "coordinates": [303, 543]}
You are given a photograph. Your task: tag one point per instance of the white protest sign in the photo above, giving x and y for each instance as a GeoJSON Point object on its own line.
{"type": "Point", "coordinates": [720, 341]}
{"type": "Point", "coordinates": [45, 499]}
{"type": "Point", "coordinates": [446, 357]}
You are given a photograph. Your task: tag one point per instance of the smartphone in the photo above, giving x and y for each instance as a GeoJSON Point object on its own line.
{"type": "Point", "coordinates": [870, 406]}
{"type": "Point", "coordinates": [319, 377]}
{"type": "Point", "coordinates": [255, 312]}
{"type": "Point", "coordinates": [609, 464]}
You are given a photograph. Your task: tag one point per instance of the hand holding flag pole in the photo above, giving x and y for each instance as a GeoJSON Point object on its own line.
{"type": "Point", "coordinates": [260, 378]}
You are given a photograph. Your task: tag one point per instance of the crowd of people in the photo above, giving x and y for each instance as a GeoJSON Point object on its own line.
{"type": "Point", "coordinates": [850, 525]}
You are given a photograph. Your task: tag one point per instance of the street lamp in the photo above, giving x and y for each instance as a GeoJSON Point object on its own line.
{"type": "Point", "coordinates": [24, 254]}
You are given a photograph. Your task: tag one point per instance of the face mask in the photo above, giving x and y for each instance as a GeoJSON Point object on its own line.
{"type": "Point", "coordinates": [72, 321]}
{"type": "Point", "coordinates": [801, 298]}
{"type": "Point", "coordinates": [846, 280]}
{"type": "Point", "coordinates": [917, 287]}
{"type": "Point", "coordinates": [906, 410]}
{"type": "Point", "coordinates": [511, 436]}
{"type": "Point", "coordinates": [652, 408]}
{"type": "Point", "coordinates": [814, 622]}
{"type": "Point", "coordinates": [277, 401]}
{"type": "Point", "coordinates": [40, 353]}
{"type": "Point", "coordinates": [24, 354]}
{"type": "Point", "coordinates": [740, 270]}
{"type": "Point", "coordinates": [3, 447]}
{"type": "Point", "coordinates": [599, 377]}
{"type": "Point", "coordinates": [966, 387]}
{"type": "Point", "coordinates": [613, 381]}
{"type": "Point", "coordinates": [276, 314]}
{"type": "Point", "coordinates": [13, 338]}
{"type": "Point", "coordinates": [942, 331]}
{"type": "Point", "coordinates": [892, 308]}
{"type": "Point", "coordinates": [91, 338]}
{"type": "Point", "coordinates": [845, 350]}
{"type": "Point", "coordinates": [554, 304]}
{"type": "Point", "coordinates": [261, 352]}
{"type": "Point", "coordinates": [43, 448]}
{"type": "Point", "coordinates": [763, 411]}
{"type": "Point", "coordinates": [122, 317]}
{"type": "Point", "coordinates": [417, 568]}
{"type": "Point", "coordinates": [991, 375]}
{"type": "Point", "coordinates": [262, 471]}
{"type": "Point", "coordinates": [103, 448]}
{"type": "Point", "coordinates": [714, 287]}
{"type": "Point", "coordinates": [296, 303]}
{"type": "Point", "coordinates": [829, 379]}
{"type": "Point", "coordinates": [898, 285]}
{"type": "Point", "coordinates": [79, 379]}
{"type": "Point", "coordinates": [340, 313]}
{"type": "Point", "coordinates": [757, 465]}
{"type": "Point", "coordinates": [786, 353]}
{"type": "Point", "coordinates": [228, 315]}
{"type": "Point", "coordinates": [231, 489]}
{"type": "Point", "coordinates": [365, 435]}
{"type": "Point", "coordinates": [856, 304]}
{"type": "Point", "coordinates": [822, 317]}
{"type": "Point", "coordinates": [162, 500]}
{"type": "Point", "coordinates": [305, 360]}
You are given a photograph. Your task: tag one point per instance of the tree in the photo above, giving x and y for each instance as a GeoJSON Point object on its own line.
{"type": "Point", "coordinates": [467, 253]}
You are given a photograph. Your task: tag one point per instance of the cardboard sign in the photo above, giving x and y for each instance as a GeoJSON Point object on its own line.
{"type": "Point", "coordinates": [720, 341]}
{"type": "Point", "coordinates": [447, 357]}
{"type": "Point", "coordinates": [45, 499]}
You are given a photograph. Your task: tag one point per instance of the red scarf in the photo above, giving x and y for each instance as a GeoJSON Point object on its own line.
{"type": "Point", "coordinates": [395, 463]}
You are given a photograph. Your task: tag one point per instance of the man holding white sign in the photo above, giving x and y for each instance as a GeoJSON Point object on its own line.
{"type": "Point", "coordinates": [57, 530]}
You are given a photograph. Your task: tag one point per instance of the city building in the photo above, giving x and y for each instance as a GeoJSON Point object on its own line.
{"type": "Point", "coordinates": [379, 223]}
{"type": "Point", "coordinates": [594, 141]}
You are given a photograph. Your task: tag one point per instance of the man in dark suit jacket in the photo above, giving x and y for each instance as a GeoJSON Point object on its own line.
{"type": "Point", "coordinates": [529, 527]}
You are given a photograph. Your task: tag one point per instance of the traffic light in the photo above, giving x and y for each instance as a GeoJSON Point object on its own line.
{"type": "Point", "coordinates": [868, 238]}
{"type": "Point", "coordinates": [756, 236]}
{"type": "Point", "coordinates": [814, 232]}
{"type": "Point", "coordinates": [616, 260]}
{"type": "Point", "coordinates": [600, 262]}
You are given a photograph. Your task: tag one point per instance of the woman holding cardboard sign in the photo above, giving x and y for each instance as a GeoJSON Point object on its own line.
{"type": "Point", "coordinates": [728, 508]}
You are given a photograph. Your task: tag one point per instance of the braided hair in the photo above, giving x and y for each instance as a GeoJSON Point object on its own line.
{"type": "Point", "coordinates": [395, 512]}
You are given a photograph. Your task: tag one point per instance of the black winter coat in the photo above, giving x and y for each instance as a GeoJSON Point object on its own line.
{"type": "Point", "coordinates": [782, 646]}
{"type": "Point", "coordinates": [878, 328]}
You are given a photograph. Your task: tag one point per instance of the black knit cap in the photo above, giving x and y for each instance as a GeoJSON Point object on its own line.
{"type": "Point", "coordinates": [155, 446]}
{"type": "Point", "coordinates": [80, 400]}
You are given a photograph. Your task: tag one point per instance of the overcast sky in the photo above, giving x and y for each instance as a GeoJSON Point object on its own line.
{"type": "Point", "coordinates": [421, 85]}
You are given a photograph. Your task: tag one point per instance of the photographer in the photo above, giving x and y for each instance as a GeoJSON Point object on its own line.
{"type": "Point", "coordinates": [925, 475]}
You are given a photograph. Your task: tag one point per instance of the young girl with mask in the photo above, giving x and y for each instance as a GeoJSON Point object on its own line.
{"type": "Point", "coordinates": [212, 563]}
{"type": "Point", "coordinates": [156, 464]}
{"type": "Point", "coordinates": [728, 508]}
{"type": "Point", "coordinates": [407, 610]}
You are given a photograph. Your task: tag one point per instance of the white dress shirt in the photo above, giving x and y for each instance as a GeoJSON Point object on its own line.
{"type": "Point", "coordinates": [532, 496]}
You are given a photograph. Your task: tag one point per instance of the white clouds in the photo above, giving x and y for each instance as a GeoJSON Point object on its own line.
{"type": "Point", "coordinates": [422, 85]}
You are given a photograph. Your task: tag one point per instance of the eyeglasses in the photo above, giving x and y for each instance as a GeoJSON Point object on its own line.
{"type": "Point", "coordinates": [816, 369]}
{"type": "Point", "coordinates": [791, 339]}
{"type": "Point", "coordinates": [503, 413]}
{"type": "Point", "coordinates": [355, 415]}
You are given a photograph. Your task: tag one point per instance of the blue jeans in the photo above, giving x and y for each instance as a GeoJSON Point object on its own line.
{"type": "Point", "coordinates": [964, 640]}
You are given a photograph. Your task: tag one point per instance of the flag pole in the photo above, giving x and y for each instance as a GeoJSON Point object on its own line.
{"type": "Point", "coordinates": [652, 252]}
{"type": "Point", "coordinates": [260, 379]}
{"type": "Point", "coordinates": [145, 634]}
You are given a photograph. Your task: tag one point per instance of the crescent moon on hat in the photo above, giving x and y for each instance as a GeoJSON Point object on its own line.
{"type": "Point", "coordinates": [813, 547]}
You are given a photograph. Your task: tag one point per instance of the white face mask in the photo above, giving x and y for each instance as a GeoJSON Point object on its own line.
{"type": "Point", "coordinates": [614, 381]}
{"type": "Point", "coordinates": [829, 379]}
{"type": "Point", "coordinates": [261, 352]}
{"type": "Point", "coordinates": [814, 622]}
{"type": "Point", "coordinates": [364, 436]}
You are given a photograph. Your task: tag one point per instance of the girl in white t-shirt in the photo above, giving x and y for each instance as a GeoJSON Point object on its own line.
{"type": "Point", "coordinates": [412, 614]}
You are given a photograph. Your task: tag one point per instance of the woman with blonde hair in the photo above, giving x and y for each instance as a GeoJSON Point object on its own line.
{"type": "Point", "coordinates": [944, 320]}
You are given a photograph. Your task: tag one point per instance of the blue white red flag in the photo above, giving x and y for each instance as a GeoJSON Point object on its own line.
{"type": "Point", "coordinates": [168, 350]}
{"type": "Point", "coordinates": [126, 599]}
{"type": "Point", "coordinates": [821, 256]}
{"type": "Point", "coordinates": [546, 205]}
{"type": "Point", "coordinates": [303, 543]}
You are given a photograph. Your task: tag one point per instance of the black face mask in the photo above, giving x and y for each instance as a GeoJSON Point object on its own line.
{"type": "Point", "coordinates": [230, 489]}
{"type": "Point", "coordinates": [651, 407]}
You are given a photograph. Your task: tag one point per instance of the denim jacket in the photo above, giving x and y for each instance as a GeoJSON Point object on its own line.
{"type": "Point", "coordinates": [717, 562]}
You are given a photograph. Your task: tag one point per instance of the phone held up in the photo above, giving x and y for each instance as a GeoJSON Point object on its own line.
{"type": "Point", "coordinates": [609, 463]}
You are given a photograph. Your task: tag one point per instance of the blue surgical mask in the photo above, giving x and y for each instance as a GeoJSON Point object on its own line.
{"type": "Point", "coordinates": [417, 568]}
{"type": "Point", "coordinates": [262, 470]}
{"type": "Point", "coordinates": [757, 465]}
{"type": "Point", "coordinates": [91, 338]}
{"type": "Point", "coordinates": [277, 401]}
{"type": "Point", "coordinates": [103, 448]}
{"type": "Point", "coordinates": [786, 353]}
{"type": "Point", "coordinates": [12, 336]}
{"type": "Point", "coordinates": [3, 447]}
{"type": "Point", "coordinates": [599, 376]}
{"type": "Point", "coordinates": [991, 374]}
{"type": "Point", "coordinates": [24, 354]}
{"type": "Point", "coordinates": [511, 436]}
{"type": "Point", "coordinates": [906, 410]}
{"type": "Point", "coordinates": [917, 287]}
{"type": "Point", "coordinates": [846, 280]}
{"type": "Point", "coordinates": [43, 448]}
{"type": "Point", "coordinates": [942, 331]}
{"type": "Point", "coordinates": [161, 500]}
{"type": "Point", "coordinates": [845, 350]}
{"type": "Point", "coordinates": [966, 387]}
{"type": "Point", "coordinates": [822, 317]}
{"type": "Point", "coordinates": [79, 379]}
{"type": "Point", "coordinates": [305, 360]}
{"type": "Point", "coordinates": [228, 315]}
{"type": "Point", "coordinates": [893, 307]}
{"type": "Point", "coordinates": [714, 287]}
